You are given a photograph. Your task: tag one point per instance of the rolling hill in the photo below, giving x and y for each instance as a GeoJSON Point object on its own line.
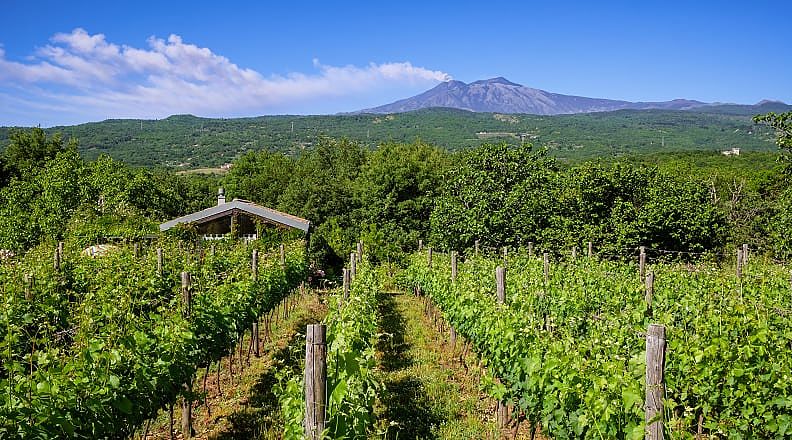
{"type": "Point", "coordinates": [185, 141]}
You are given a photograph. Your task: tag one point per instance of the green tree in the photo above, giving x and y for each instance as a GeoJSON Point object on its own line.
{"type": "Point", "coordinates": [782, 123]}
{"type": "Point", "coordinates": [322, 190]}
{"type": "Point", "coordinates": [32, 148]}
{"type": "Point", "coordinates": [486, 192]}
{"type": "Point", "coordinates": [260, 176]}
{"type": "Point", "coordinates": [397, 187]}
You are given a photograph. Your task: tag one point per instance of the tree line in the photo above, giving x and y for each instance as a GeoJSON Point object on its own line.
{"type": "Point", "coordinates": [398, 193]}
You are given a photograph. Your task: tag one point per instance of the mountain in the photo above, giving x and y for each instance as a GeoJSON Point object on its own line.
{"type": "Point", "coordinates": [499, 95]}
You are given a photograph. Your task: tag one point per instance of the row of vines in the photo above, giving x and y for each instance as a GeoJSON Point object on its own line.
{"type": "Point", "coordinates": [567, 350]}
{"type": "Point", "coordinates": [352, 386]}
{"type": "Point", "coordinates": [94, 347]}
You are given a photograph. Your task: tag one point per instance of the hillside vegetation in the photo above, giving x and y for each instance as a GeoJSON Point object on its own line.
{"type": "Point", "coordinates": [186, 141]}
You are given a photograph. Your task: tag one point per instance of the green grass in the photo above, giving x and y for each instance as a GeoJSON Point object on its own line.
{"type": "Point", "coordinates": [428, 394]}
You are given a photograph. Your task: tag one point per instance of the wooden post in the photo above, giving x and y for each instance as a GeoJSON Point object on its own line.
{"type": "Point", "coordinates": [352, 265]}
{"type": "Point", "coordinates": [60, 251]}
{"type": "Point", "coordinates": [254, 333]}
{"type": "Point", "coordinates": [359, 250]}
{"type": "Point", "coordinates": [649, 292]}
{"type": "Point", "coordinates": [429, 256]}
{"type": "Point", "coordinates": [283, 256]}
{"type": "Point", "coordinates": [315, 380]}
{"type": "Point", "coordinates": [347, 281]}
{"type": "Point", "coordinates": [56, 260]}
{"type": "Point", "coordinates": [420, 245]}
{"type": "Point", "coordinates": [28, 286]}
{"type": "Point", "coordinates": [136, 250]}
{"type": "Point", "coordinates": [453, 266]}
{"type": "Point", "coordinates": [186, 285]}
{"type": "Point", "coordinates": [655, 386]}
{"type": "Point", "coordinates": [505, 251]}
{"type": "Point", "coordinates": [159, 261]}
{"type": "Point", "coordinates": [546, 268]}
{"type": "Point", "coordinates": [500, 280]}
{"type": "Point", "coordinates": [739, 262]}
{"type": "Point", "coordinates": [574, 253]}
{"type": "Point", "coordinates": [476, 246]}
{"type": "Point", "coordinates": [590, 249]}
{"type": "Point", "coordinates": [642, 263]}
{"type": "Point", "coordinates": [745, 254]}
{"type": "Point", "coordinates": [530, 249]}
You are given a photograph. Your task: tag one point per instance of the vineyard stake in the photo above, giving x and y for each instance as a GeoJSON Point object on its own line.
{"type": "Point", "coordinates": [530, 249]}
{"type": "Point", "coordinates": [590, 249]}
{"type": "Point", "coordinates": [186, 285]}
{"type": "Point", "coordinates": [505, 252]}
{"type": "Point", "coordinates": [429, 256]}
{"type": "Point", "coordinates": [159, 261]}
{"type": "Point", "coordinates": [476, 246]}
{"type": "Point", "coordinates": [649, 292]}
{"type": "Point", "coordinates": [315, 380]}
{"type": "Point", "coordinates": [739, 262]}
{"type": "Point", "coordinates": [500, 280]}
{"type": "Point", "coordinates": [642, 263]}
{"type": "Point", "coordinates": [136, 250]}
{"type": "Point", "coordinates": [347, 279]}
{"type": "Point", "coordinates": [352, 265]}
{"type": "Point", "coordinates": [655, 387]}
{"type": "Point", "coordinates": [453, 266]}
{"type": "Point", "coordinates": [420, 245]}
{"type": "Point", "coordinates": [546, 258]}
{"type": "Point", "coordinates": [28, 286]}
{"type": "Point", "coordinates": [574, 253]}
{"type": "Point", "coordinates": [359, 251]}
{"type": "Point", "coordinates": [56, 262]}
{"type": "Point", "coordinates": [283, 256]}
{"type": "Point", "coordinates": [254, 334]}
{"type": "Point", "coordinates": [745, 253]}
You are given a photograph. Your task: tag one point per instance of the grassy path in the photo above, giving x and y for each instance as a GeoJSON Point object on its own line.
{"type": "Point", "coordinates": [428, 394]}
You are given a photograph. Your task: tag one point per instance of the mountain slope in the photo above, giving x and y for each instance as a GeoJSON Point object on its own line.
{"type": "Point", "coordinates": [499, 95]}
{"type": "Point", "coordinates": [190, 142]}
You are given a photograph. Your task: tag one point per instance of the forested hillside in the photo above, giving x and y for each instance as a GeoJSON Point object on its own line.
{"type": "Point", "coordinates": [186, 141]}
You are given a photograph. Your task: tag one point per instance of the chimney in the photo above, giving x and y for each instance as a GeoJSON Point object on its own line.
{"type": "Point", "coordinates": [220, 196]}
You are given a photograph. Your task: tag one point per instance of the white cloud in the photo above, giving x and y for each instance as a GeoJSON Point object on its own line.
{"type": "Point", "coordinates": [88, 75]}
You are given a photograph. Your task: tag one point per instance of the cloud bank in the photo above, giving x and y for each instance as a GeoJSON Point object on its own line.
{"type": "Point", "coordinates": [83, 74]}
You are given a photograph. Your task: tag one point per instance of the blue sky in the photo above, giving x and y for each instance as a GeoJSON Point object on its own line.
{"type": "Point", "coordinates": [62, 63]}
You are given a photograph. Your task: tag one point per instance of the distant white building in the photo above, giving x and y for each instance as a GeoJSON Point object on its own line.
{"type": "Point", "coordinates": [731, 152]}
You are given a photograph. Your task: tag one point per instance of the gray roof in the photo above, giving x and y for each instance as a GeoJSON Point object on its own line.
{"type": "Point", "coordinates": [270, 215]}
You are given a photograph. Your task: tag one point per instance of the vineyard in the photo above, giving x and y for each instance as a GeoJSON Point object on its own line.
{"type": "Point", "coordinates": [95, 347]}
{"type": "Point", "coordinates": [564, 342]}
{"type": "Point", "coordinates": [98, 347]}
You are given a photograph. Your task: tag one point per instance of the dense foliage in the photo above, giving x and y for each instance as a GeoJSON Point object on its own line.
{"type": "Point", "coordinates": [351, 382]}
{"type": "Point", "coordinates": [52, 194]}
{"type": "Point", "coordinates": [569, 352]}
{"type": "Point", "coordinates": [98, 346]}
{"type": "Point", "coordinates": [512, 196]}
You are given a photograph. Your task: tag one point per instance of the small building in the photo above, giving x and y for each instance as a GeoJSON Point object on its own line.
{"type": "Point", "coordinates": [238, 215]}
{"type": "Point", "coordinates": [731, 152]}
